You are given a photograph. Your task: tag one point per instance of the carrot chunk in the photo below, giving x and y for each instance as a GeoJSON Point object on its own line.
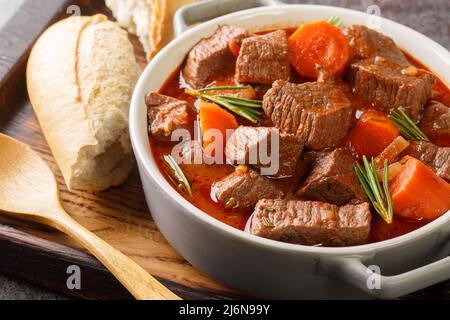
{"type": "Point", "coordinates": [318, 43]}
{"type": "Point", "coordinates": [418, 193]}
{"type": "Point", "coordinates": [215, 120]}
{"type": "Point", "coordinates": [373, 133]}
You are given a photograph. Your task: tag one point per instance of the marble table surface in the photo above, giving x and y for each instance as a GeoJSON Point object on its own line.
{"type": "Point", "coordinates": [430, 17]}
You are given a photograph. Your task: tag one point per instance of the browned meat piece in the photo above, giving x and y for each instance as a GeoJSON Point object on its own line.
{"type": "Point", "coordinates": [211, 56]}
{"type": "Point", "coordinates": [317, 112]}
{"type": "Point", "coordinates": [381, 74]}
{"type": "Point", "coordinates": [366, 43]}
{"type": "Point", "coordinates": [332, 179]}
{"type": "Point", "coordinates": [264, 59]}
{"type": "Point", "coordinates": [244, 189]}
{"type": "Point", "coordinates": [312, 223]}
{"type": "Point", "coordinates": [253, 146]}
{"type": "Point", "coordinates": [382, 83]}
{"type": "Point", "coordinates": [437, 158]}
{"type": "Point", "coordinates": [436, 119]}
{"type": "Point", "coordinates": [166, 114]}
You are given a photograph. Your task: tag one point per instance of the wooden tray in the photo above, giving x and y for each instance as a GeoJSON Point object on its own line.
{"type": "Point", "coordinates": [120, 215]}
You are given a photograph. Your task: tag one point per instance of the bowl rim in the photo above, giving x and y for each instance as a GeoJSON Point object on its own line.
{"type": "Point", "coordinates": [144, 156]}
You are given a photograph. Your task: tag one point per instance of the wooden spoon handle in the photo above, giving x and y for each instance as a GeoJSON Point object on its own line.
{"type": "Point", "coordinates": [138, 282]}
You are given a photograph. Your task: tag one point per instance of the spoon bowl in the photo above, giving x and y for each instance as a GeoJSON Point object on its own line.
{"type": "Point", "coordinates": [28, 190]}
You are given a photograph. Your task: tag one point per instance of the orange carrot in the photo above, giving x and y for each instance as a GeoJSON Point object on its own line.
{"type": "Point", "coordinates": [214, 117]}
{"type": "Point", "coordinates": [318, 43]}
{"type": "Point", "coordinates": [373, 133]}
{"type": "Point", "coordinates": [418, 193]}
{"type": "Point", "coordinates": [235, 47]}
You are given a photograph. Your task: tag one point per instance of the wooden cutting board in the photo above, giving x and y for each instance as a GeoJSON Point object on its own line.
{"type": "Point", "coordinates": [120, 215]}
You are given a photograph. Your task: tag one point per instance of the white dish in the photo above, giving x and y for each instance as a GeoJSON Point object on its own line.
{"type": "Point", "coordinates": [270, 269]}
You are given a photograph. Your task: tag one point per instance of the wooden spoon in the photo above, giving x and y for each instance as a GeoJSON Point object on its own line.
{"type": "Point", "coordinates": [28, 190]}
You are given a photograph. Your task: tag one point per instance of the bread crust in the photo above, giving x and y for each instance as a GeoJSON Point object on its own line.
{"type": "Point", "coordinates": [80, 77]}
{"type": "Point", "coordinates": [163, 29]}
{"type": "Point", "coordinates": [150, 20]}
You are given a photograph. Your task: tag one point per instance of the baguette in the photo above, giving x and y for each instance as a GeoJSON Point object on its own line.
{"type": "Point", "coordinates": [150, 20]}
{"type": "Point", "coordinates": [80, 77]}
{"type": "Point", "coordinates": [163, 29]}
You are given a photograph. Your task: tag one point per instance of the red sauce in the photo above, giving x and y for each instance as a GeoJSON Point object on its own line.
{"type": "Point", "coordinates": [203, 176]}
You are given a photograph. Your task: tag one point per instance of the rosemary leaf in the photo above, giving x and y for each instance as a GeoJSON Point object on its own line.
{"type": "Point", "coordinates": [412, 125]}
{"type": "Point", "coordinates": [406, 126]}
{"type": "Point", "coordinates": [387, 193]}
{"type": "Point", "coordinates": [222, 88]}
{"type": "Point", "coordinates": [379, 196]}
{"type": "Point", "coordinates": [335, 21]}
{"type": "Point", "coordinates": [241, 101]}
{"type": "Point", "coordinates": [230, 107]}
{"type": "Point", "coordinates": [179, 175]}
{"type": "Point", "coordinates": [403, 130]}
{"type": "Point", "coordinates": [246, 108]}
{"type": "Point", "coordinates": [364, 182]}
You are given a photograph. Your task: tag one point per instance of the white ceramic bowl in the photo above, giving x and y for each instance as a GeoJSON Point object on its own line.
{"type": "Point", "coordinates": [270, 269]}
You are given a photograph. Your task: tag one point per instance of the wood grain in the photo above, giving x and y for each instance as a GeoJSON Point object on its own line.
{"type": "Point", "coordinates": [29, 191]}
{"type": "Point", "coordinates": [16, 38]}
{"type": "Point", "coordinates": [119, 216]}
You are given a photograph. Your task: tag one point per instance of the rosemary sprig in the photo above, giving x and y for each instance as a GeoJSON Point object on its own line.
{"type": "Point", "coordinates": [178, 175]}
{"type": "Point", "coordinates": [406, 126]}
{"type": "Point", "coordinates": [336, 21]}
{"type": "Point", "coordinates": [246, 108]}
{"type": "Point", "coordinates": [379, 197]}
{"type": "Point", "coordinates": [245, 102]}
{"type": "Point", "coordinates": [222, 88]}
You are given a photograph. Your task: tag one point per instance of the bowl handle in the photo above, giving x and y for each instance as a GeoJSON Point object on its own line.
{"type": "Point", "coordinates": [210, 9]}
{"type": "Point", "coordinates": [390, 287]}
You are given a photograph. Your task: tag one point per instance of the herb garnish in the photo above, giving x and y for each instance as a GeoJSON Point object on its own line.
{"type": "Point", "coordinates": [246, 108]}
{"type": "Point", "coordinates": [178, 178]}
{"type": "Point", "coordinates": [379, 196]}
{"type": "Point", "coordinates": [406, 126]}
{"type": "Point", "coordinates": [335, 21]}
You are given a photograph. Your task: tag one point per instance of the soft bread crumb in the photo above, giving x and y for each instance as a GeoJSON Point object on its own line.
{"type": "Point", "coordinates": [150, 20]}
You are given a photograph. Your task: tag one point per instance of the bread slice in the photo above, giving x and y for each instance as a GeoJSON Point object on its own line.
{"type": "Point", "coordinates": [80, 77]}
{"type": "Point", "coordinates": [150, 20]}
{"type": "Point", "coordinates": [163, 29]}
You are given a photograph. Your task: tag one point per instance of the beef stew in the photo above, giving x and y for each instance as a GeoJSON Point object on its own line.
{"type": "Point", "coordinates": [317, 196]}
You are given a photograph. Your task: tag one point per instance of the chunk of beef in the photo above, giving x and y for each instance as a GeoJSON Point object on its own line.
{"type": "Point", "coordinates": [332, 179]}
{"type": "Point", "coordinates": [264, 59]}
{"type": "Point", "coordinates": [244, 189]}
{"type": "Point", "coordinates": [166, 114]}
{"type": "Point", "coordinates": [438, 158]}
{"type": "Point", "coordinates": [436, 119]}
{"type": "Point", "coordinates": [253, 146]}
{"type": "Point", "coordinates": [211, 56]}
{"type": "Point", "coordinates": [366, 43]}
{"type": "Point", "coordinates": [312, 223]}
{"type": "Point", "coordinates": [317, 112]}
{"type": "Point", "coordinates": [382, 83]}
{"type": "Point", "coordinates": [381, 74]}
